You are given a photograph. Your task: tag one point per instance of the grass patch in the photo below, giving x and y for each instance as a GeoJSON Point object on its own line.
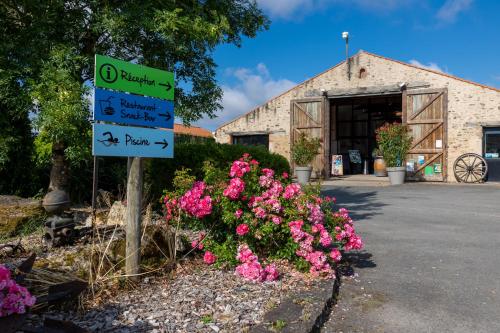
{"type": "Point", "coordinates": [278, 325]}
{"type": "Point", "coordinates": [207, 319]}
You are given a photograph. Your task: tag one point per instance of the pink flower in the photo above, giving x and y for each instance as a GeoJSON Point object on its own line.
{"type": "Point", "coordinates": [193, 203]}
{"type": "Point", "coordinates": [284, 175]}
{"type": "Point", "coordinates": [234, 189]}
{"type": "Point", "coordinates": [209, 258]}
{"type": "Point", "coordinates": [251, 270]}
{"type": "Point", "coordinates": [325, 238]}
{"type": "Point", "coordinates": [335, 255]}
{"type": "Point", "coordinates": [265, 181]}
{"type": "Point", "coordinates": [355, 243]}
{"type": "Point", "coordinates": [238, 213]}
{"type": "Point", "coordinates": [197, 244]}
{"type": "Point", "coordinates": [13, 297]}
{"type": "Point", "coordinates": [268, 172]}
{"type": "Point", "coordinates": [271, 272]}
{"type": "Point", "coordinates": [260, 213]}
{"type": "Point", "coordinates": [245, 254]}
{"type": "Point", "coordinates": [242, 229]}
{"type": "Point", "coordinates": [292, 191]}
{"type": "Point", "coordinates": [239, 168]}
{"type": "Point", "coordinates": [276, 220]}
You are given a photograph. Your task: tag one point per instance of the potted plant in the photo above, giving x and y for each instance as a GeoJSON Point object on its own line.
{"type": "Point", "coordinates": [304, 151]}
{"type": "Point", "coordinates": [379, 167]}
{"type": "Point", "coordinates": [394, 142]}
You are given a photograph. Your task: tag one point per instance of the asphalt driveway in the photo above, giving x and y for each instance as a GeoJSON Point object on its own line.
{"type": "Point", "coordinates": [431, 262]}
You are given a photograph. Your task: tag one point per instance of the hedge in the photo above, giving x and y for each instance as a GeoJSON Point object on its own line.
{"type": "Point", "coordinates": [159, 172]}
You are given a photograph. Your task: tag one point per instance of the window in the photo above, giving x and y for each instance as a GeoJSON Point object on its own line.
{"type": "Point", "coordinates": [252, 140]}
{"type": "Point", "coordinates": [492, 143]}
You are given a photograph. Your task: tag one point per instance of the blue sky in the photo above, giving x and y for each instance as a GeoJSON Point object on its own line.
{"type": "Point", "coordinates": [460, 37]}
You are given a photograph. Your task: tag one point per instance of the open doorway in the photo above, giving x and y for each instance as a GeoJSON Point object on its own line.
{"type": "Point", "coordinates": [353, 122]}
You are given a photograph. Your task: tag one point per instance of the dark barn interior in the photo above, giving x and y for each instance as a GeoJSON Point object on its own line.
{"type": "Point", "coordinates": [354, 121]}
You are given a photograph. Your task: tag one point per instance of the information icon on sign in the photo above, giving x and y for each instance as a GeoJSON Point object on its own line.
{"type": "Point", "coordinates": [108, 73]}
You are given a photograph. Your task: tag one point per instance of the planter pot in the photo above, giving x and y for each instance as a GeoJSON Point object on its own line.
{"type": "Point", "coordinates": [303, 174]}
{"type": "Point", "coordinates": [379, 167]}
{"type": "Point", "coordinates": [397, 175]}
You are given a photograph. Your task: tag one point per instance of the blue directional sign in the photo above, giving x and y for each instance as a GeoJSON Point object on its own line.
{"type": "Point", "coordinates": [114, 140]}
{"type": "Point", "coordinates": [130, 109]}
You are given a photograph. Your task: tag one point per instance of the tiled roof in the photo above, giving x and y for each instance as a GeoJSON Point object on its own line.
{"type": "Point", "coordinates": [192, 130]}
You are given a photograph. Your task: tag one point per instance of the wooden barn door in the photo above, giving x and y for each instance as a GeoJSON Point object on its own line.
{"type": "Point", "coordinates": [425, 113]}
{"type": "Point", "coordinates": [308, 116]}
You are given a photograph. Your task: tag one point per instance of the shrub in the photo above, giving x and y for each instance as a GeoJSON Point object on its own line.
{"type": "Point", "coordinates": [305, 150]}
{"type": "Point", "coordinates": [247, 212]}
{"type": "Point", "coordinates": [394, 142]}
{"type": "Point", "coordinates": [159, 173]}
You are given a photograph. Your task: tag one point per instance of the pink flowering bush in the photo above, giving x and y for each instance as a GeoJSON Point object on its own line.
{"type": "Point", "coordinates": [13, 298]}
{"type": "Point", "coordinates": [252, 216]}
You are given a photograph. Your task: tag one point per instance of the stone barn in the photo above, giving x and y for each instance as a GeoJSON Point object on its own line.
{"type": "Point", "coordinates": [447, 117]}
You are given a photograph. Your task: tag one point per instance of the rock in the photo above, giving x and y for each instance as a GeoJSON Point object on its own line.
{"type": "Point", "coordinates": [215, 328]}
{"type": "Point", "coordinates": [117, 213]}
{"type": "Point", "coordinates": [17, 213]}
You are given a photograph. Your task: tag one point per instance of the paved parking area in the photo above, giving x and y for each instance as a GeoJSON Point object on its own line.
{"type": "Point", "coordinates": [431, 262]}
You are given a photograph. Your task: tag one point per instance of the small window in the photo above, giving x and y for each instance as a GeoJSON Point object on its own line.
{"type": "Point", "coordinates": [362, 73]}
{"type": "Point", "coordinates": [492, 143]}
{"type": "Point", "coordinates": [252, 140]}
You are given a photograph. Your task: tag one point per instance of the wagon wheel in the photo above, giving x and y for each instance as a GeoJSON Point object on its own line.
{"type": "Point", "coordinates": [470, 168]}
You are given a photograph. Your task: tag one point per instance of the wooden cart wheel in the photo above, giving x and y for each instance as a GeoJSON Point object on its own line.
{"type": "Point", "coordinates": [470, 168]}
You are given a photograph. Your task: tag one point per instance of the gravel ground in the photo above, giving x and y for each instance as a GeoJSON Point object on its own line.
{"type": "Point", "coordinates": [196, 299]}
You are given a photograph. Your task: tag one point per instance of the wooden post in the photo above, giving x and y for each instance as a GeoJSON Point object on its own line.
{"type": "Point", "coordinates": [133, 231]}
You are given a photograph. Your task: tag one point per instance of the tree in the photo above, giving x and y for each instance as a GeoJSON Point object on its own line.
{"type": "Point", "coordinates": [179, 36]}
{"type": "Point", "coordinates": [16, 140]}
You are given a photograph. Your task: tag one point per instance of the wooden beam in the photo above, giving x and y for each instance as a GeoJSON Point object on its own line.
{"type": "Point", "coordinates": [415, 114]}
{"type": "Point", "coordinates": [425, 151]}
{"type": "Point", "coordinates": [425, 121]}
{"type": "Point", "coordinates": [308, 127]}
{"type": "Point", "coordinates": [426, 134]}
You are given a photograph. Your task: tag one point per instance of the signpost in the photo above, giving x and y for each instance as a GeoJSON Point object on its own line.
{"type": "Point", "coordinates": [124, 76]}
{"type": "Point", "coordinates": [130, 108]}
{"type": "Point", "coordinates": [127, 141]}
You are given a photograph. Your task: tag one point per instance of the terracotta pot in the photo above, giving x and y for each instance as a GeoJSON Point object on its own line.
{"type": "Point", "coordinates": [379, 167]}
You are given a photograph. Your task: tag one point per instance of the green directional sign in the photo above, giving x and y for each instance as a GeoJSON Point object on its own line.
{"type": "Point", "coordinates": [124, 76]}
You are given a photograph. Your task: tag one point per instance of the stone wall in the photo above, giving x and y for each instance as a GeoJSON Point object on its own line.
{"type": "Point", "coordinates": [470, 106]}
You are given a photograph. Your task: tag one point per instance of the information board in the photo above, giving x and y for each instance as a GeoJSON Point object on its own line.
{"type": "Point", "coordinates": [127, 141]}
{"type": "Point", "coordinates": [131, 109]}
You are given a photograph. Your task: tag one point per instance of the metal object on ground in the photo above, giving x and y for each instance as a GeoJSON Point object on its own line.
{"type": "Point", "coordinates": [470, 168]}
{"type": "Point", "coordinates": [59, 228]}
{"type": "Point", "coordinates": [56, 202]}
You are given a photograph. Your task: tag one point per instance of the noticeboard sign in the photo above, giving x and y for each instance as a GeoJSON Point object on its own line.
{"type": "Point", "coordinates": [128, 141]}
{"type": "Point", "coordinates": [131, 109]}
{"type": "Point", "coordinates": [138, 79]}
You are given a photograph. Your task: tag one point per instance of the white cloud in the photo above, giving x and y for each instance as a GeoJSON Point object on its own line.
{"type": "Point", "coordinates": [253, 87]}
{"type": "Point", "coordinates": [452, 8]}
{"type": "Point", "coordinates": [431, 65]}
{"type": "Point", "coordinates": [289, 9]}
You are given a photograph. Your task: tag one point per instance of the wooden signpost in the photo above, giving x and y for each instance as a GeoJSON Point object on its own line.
{"type": "Point", "coordinates": [132, 110]}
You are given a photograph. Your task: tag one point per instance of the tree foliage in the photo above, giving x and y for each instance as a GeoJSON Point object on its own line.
{"type": "Point", "coordinates": [47, 49]}
{"type": "Point", "coordinates": [174, 35]}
